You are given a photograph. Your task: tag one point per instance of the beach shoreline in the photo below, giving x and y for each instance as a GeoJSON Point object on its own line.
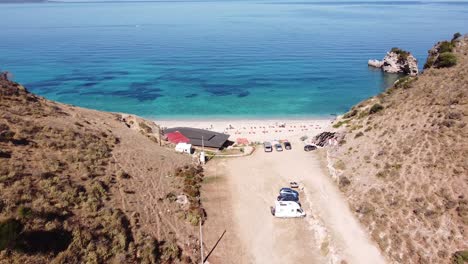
{"type": "Point", "coordinates": [256, 129]}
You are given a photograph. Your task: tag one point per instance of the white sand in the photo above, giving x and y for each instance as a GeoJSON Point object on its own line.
{"type": "Point", "coordinates": [256, 130]}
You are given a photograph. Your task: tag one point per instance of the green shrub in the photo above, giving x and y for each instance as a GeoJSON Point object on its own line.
{"type": "Point", "coordinates": [376, 108]}
{"type": "Point", "coordinates": [9, 232]}
{"type": "Point", "coordinates": [446, 46]}
{"type": "Point", "coordinates": [445, 60]}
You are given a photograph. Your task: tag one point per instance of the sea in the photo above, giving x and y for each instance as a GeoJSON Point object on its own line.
{"type": "Point", "coordinates": [217, 59]}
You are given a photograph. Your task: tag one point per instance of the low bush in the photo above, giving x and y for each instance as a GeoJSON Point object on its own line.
{"type": "Point", "coordinates": [360, 134]}
{"type": "Point", "coordinates": [170, 252]}
{"type": "Point", "coordinates": [350, 114]}
{"type": "Point", "coordinates": [344, 181]}
{"type": "Point", "coordinates": [445, 46]}
{"type": "Point", "coordinates": [123, 175]}
{"type": "Point", "coordinates": [404, 82]}
{"type": "Point", "coordinates": [446, 60]}
{"type": "Point", "coordinates": [340, 123]}
{"type": "Point", "coordinates": [460, 257]}
{"type": "Point", "coordinates": [402, 54]}
{"type": "Point", "coordinates": [376, 108]}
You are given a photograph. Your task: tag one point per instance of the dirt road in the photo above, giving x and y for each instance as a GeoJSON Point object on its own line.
{"type": "Point", "coordinates": [329, 233]}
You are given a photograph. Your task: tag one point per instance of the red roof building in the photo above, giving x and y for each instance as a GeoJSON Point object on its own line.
{"type": "Point", "coordinates": [177, 137]}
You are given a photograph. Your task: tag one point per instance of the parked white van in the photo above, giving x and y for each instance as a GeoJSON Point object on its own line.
{"type": "Point", "coordinates": [184, 148]}
{"type": "Point", "coordinates": [267, 146]}
{"type": "Point", "coordinates": [287, 209]}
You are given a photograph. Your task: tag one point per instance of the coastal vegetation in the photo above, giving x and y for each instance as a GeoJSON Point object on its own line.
{"type": "Point", "coordinates": [402, 54]}
{"type": "Point", "coordinates": [442, 55]}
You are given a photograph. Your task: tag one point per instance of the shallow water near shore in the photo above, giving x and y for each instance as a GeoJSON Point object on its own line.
{"type": "Point", "coordinates": [224, 59]}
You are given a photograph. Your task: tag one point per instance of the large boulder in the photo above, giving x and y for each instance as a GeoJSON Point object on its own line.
{"type": "Point", "coordinates": [397, 61]}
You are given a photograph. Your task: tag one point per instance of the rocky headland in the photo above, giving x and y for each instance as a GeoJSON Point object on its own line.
{"type": "Point", "coordinates": [402, 163]}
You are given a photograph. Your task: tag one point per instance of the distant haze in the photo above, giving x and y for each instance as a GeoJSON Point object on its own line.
{"type": "Point", "coordinates": [22, 1]}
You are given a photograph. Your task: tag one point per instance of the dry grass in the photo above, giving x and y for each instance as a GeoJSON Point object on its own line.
{"type": "Point", "coordinates": [59, 180]}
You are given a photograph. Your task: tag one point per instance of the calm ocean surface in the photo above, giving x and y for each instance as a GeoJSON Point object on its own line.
{"type": "Point", "coordinates": [237, 59]}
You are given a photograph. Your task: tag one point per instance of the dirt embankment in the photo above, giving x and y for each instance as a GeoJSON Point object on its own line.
{"type": "Point", "coordinates": [403, 163]}
{"type": "Point", "coordinates": [83, 186]}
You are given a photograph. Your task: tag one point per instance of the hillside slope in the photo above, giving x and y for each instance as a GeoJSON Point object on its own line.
{"type": "Point", "coordinates": [83, 186]}
{"type": "Point", "coordinates": [403, 164]}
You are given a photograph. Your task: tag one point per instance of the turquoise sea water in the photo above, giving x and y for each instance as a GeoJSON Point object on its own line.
{"type": "Point", "coordinates": [216, 59]}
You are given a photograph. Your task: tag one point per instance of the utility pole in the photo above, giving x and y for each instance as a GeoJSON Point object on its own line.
{"type": "Point", "coordinates": [201, 243]}
{"type": "Point", "coordinates": [159, 135]}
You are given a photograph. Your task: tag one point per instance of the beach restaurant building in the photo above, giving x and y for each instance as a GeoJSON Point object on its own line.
{"type": "Point", "coordinates": [195, 136]}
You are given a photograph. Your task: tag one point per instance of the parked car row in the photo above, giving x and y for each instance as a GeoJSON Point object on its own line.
{"type": "Point", "coordinates": [269, 146]}
{"type": "Point", "coordinates": [287, 204]}
{"type": "Point", "coordinates": [278, 146]}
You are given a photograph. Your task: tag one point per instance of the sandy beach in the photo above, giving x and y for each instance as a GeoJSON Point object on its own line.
{"type": "Point", "coordinates": [256, 130]}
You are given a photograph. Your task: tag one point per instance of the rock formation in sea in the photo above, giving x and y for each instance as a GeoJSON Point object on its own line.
{"type": "Point", "coordinates": [397, 61]}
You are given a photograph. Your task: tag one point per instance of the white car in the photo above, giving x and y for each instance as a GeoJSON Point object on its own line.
{"type": "Point", "coordinates": [287, 209]}
{"type": "Point", "coordinates": [267, 146]}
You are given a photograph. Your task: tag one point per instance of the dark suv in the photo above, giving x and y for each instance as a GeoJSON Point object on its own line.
{"type": "Point", "coordinates": [288, 191]}
{"type": "Point", "coordinates": [288, 197]}
{"type": "Point", "coordinates": [287, 145]}
{"type": "Point", "coordinates": [309, 147]}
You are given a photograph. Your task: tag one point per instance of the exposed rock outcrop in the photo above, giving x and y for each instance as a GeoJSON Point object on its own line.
{"type": "Point", "coordinates": [397, 61]}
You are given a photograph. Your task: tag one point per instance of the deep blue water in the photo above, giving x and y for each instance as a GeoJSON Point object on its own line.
{"type": "Point", "coordinates": [216, 59]}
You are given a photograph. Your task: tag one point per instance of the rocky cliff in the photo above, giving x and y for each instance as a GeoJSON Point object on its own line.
{"type": "Point", "coordinates": [83, 186]}
{"type": "Point", "coordinates": [403, 164]}
{"type": "Point", "coordinates": [397, 61]}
